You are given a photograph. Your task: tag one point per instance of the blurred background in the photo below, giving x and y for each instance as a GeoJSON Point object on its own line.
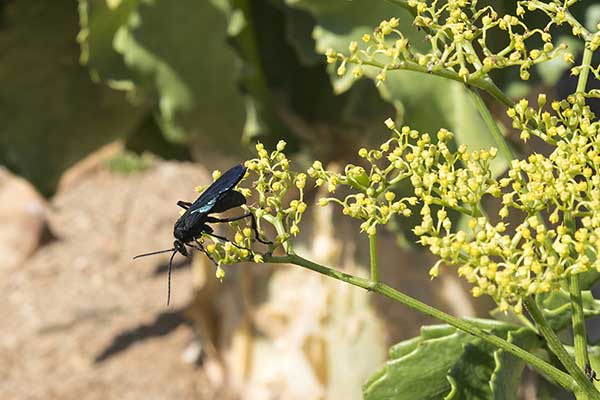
{"type": "Point", "coordinates": [113, 110]}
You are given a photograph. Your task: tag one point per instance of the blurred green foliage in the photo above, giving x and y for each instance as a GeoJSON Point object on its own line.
{"type": "Point", "coordinates": [127, 162]}
{"type": "Point", "coordinates": [52, 113]}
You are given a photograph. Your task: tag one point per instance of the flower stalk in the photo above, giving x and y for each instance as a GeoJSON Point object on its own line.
{"type": "Point", "coordinates": [373, 258]}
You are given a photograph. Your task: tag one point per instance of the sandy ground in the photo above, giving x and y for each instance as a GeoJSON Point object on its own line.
{"type": "Point", "coordinates": [80, 319]}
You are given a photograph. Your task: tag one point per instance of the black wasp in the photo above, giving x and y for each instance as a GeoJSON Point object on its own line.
{"type": "Point", "coordinates": [217, 198]}
{"type": "Point", "coordinates": [590, 373]}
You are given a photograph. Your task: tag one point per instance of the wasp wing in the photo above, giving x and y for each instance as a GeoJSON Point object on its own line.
{"type": "Point", "coordinates": [228, 200]}
{"type": "Point", "coordinates": [214, 193]}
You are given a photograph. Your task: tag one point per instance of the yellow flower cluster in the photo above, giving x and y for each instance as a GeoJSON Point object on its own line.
{"type": "Point", "coordinates": [463, 38]}
{"type": "Point", "coordinates": [564, 186]}
{"type": "Point", "coordinates": [272, 187]}
{"type": "Point", "coordinates": [372, 201]}
{"type": "Point", "coordinates": [273, 184]}
{"type": "Point", "coordinates": [508, 265]}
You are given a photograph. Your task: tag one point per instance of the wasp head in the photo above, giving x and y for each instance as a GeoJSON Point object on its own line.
{"type": "Point", "coordinates": [180, 247]}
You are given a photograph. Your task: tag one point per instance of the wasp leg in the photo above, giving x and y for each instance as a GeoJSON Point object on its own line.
{"type": "Point", "coordinates": [184, 204]}
{"type": "Point", "coordinates": [252, 224]}
{"type": "Point", "coordinates": [200, 247]}
{"type": "Point", "coordinates": [227, 240]}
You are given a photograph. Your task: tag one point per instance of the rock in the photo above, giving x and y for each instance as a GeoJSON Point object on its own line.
{"type": "Point", "coordinates": [23, 216]}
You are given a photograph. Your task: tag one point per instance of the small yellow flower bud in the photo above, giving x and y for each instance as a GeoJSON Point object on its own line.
{"type": "Point", "coordinates": [435, 270]}
{"type": "Point", "coordinates": [331, 56]}
{"type": "Point", "coordinates": [301, 207]}
{"type": "Point", "coordinates": [300, 181]}
{"type": "Point", "coordinates": [568, 58]}
{"type": "Point", "coordinates": [294, 230]}
{"type": "Point", "coordinates": [473, 223]}
{"type": "Point", "coordinates": [357, 72]}
{"type": "Point", "coordinates": [239, 238]}
{"type": "Point", "coordinates": [390, 123]}
{"type": "Point", "coordinates": [353, 47]}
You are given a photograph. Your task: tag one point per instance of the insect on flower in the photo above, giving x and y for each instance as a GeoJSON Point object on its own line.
{"type": "Point", "coordinates": [217, 198]}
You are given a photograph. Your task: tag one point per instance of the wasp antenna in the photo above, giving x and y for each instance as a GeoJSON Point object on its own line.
{"type": "Point", "coordinates": [169, 278]}
{"type": "Point", "coordinates": [153, 253]}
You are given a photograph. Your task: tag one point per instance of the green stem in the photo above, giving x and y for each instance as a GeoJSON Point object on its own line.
{"type": "Point", "coordinates": [578, 320]}
{"type": "Point", "coordinates": [585, 71]}
{"type": "Point", "coordinates": [277, 222]}
{"type": "Point", "coordinates": [525, 321]}
{"type": "Point", "coordinates": [577, 317]}
{"type": "Point", "coordinates": [485, 113]}
{"type": "Point", "coordinates": [373, 254]}
{"type": "Point", "coordinates": [584, 385]}
{"type": "Point", "coordinates": [560, 377]}
{"type": "Point", "coordinates": [483, 83]}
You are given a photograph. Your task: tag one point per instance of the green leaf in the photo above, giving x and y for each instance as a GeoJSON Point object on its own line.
{"type": "Point", "coordinates": [52, 113]}
{"type": "Point", "coordinates": [446, 363]}
{"type": "Point", "coordinates": [471, 373]}
{"type": "Point", "coordinates": [99, 23]}
{"type": "Point", "coordinates": [185, 70]}
{"type": "Point", "coordinates": [507, 374]}
{"type": "Point", "coordinates": [557, 307]}
{"type": "Point", "coordinates": [589, 278]}
{"type": "Point", "coordinates": [420, 373]}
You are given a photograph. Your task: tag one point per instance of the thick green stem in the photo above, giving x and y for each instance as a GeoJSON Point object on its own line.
{"type": "Point", "coordinates": [558, 376]}
{"type": "Point", "coordinates": [373, 254]}
{"type": "Point", "coordinates": [485, 113]}
{"type": "Point", "coordinates": [578, 319]}
{"type": "Point", "coordinates": [585, 70]}
{"type": "Point", "coordinates": [585, 387]}
{"type": "Point", "coordinates": [277, 222]}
